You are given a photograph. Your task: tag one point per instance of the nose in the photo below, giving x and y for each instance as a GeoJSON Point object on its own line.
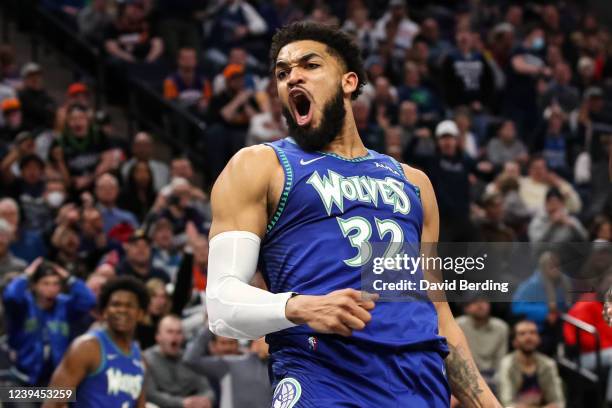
{"type": "Point", "coordinates": [295, 77]}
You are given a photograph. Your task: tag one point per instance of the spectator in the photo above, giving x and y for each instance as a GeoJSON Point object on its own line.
{"type": "Point", "coordinates": [539, 180]}
{"type": "Point", "coordinates": [82, 152]}
{"type": "Point", "coordinates": [279, 13]}
{"type": "Point", "coordinates": [107, 192]}
{"type": "Point", "coordinates": [468, 142]}
{"type": "Point", "coordinates": [159, 307]}
{"type": "Point", "coordinates": [138, 194]}
{"type": "Point", "coordinates": [506, 146]}
{"type": "Point", "coordinates": [527, 65]}
{"type": "Point", "coordinates": [487, 336]}
{"type": "Point", "coordinates": [170, 382]}
{"type": "Point", "coordinates": [28, 243]}
{"type": "Point", "coordinates": [560, 91]}
{"type": "Point", "coordinates": [384, 102]}
{"type": "Point", "coordinates": [13, 121]}
{"type": "Point", "coordinates": [130, 39]}
{"type": "Point", "coordinates": [165, 256]}
{"type": "Point", "coordinates": [267, 126]}
{"type": "Point", "coordinates": [543, 297]}
{"type": "Point", "coordinates": [137, 261]}
{"type": "Point", "coordinates": [468, 78]}
{"type": "Point", "coordinates": [555, 144]}
{"type": "Point", "coordinates": [8, 261]}
{"type": "Point", "coordinates": [94, 242]}
{"type": "Point", "coordinates": [177, 24]}
{"type": "Point", "coordinates": [39, 317]}
{"type": "Point", "coordinates": [412, 131]}
{"type": "Point", "coordinates": [449, 171]}
{"type": "Point", "coordinates": [65, 245]}
{"type": "Point", "coordinates": [93, 20]}
{"type": "Point", "coordinates": [246, 384]}
{"type": "Point", "coordinates": [77, 93]}
{"type": "Point", "coordinates": [192, 275]}
{"type": "Point", "coordinates": [526, 377]}
{"type": "Point", "coordinates": [230, 113]}
{"type": "Point", "coordinates": [37, 105]}
{"type": "Point", "coordinates": [142, 150]}
{"type": "Point", "coordinates": [360, 26]}
{"type": "Point", "coordinates": [555, 225]}
{"type": "Point", "coordinates": [413, 90]}
{"type": "Point", "coordinates": [397, 23]}
{"type": "Point", "coordinates": [601, 229]}
{"type": "Point", "coordinates": [492, 227]}
{"type": "Point", "coordinates": [186, 86]}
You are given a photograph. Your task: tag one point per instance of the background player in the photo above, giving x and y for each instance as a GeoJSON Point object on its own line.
{"type": "Point", "coordinates": [269, 192]}
{"type": "Point", "coordinates": [105, 365]}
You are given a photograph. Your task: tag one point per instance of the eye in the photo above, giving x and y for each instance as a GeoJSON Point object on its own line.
{"type": "Point", "coordinates": [312, 65]}
{"type": "Point", "coordinates": [281, 75]}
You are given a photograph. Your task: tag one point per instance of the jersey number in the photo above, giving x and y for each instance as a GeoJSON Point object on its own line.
{"type": "Point", "coordinates": [358, 230]}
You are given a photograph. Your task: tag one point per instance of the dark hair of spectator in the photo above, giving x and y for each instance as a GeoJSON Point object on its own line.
{"type": "Point", "coordinates": [554, 192]}
{"type": "Point", "coordinates": [596, 225]}
{"type": "Point", "coordinates": [45, 269]}
{"type": "Point", "coordinates": [128, 284]}
{"type": "Point", "coordinates": [534, 158]}
{"type": "Point", "coordinates": [25, 160]}
{"type": "Point", "coordinates": [521, 321]}
{"type": "Point", "coordinates": [338, 43]}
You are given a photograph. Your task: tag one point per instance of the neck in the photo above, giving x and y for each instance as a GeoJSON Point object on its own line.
{"type": "Point", "coordinates": [348, 144]}
{"type": "Point", "coordinates": [122, 340]}
{"type": "Point", "coordinates": [480, 322]}
{"type": "Point", "coordinates": [525, 358]}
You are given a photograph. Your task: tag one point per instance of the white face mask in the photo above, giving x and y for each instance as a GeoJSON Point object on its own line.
{"type": "Point", "coordinates": [55, 199]}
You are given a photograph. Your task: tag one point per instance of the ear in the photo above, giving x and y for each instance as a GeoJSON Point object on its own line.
{"type": "Point", "coordinates": [350, 81]}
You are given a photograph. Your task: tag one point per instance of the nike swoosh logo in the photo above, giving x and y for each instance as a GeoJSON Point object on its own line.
{"type": "Point", "coordinates": [305, 162]}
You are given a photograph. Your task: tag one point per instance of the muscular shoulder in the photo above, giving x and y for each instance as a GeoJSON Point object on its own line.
{"type": "Point", "coordinates": [85, 349]}
{"type": "Point", "coordinates": [417, 177]}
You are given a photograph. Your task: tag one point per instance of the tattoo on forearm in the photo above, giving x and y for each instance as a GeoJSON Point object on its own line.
{"type": "Point", "coordinates": [463, 376]}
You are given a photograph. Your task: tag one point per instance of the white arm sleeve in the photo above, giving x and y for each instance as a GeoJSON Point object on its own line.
{"type": "Point", "coordinates": [235, 308]}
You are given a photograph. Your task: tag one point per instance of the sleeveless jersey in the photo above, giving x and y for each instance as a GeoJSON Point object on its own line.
{"type": "Point", "coordinates": [118, 380]}
{"type": "Point", "coordinates": [329, 210]}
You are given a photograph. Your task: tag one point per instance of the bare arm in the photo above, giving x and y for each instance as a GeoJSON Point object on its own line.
{"type": "Point", "coordinates": [465, 380]}
{"type": "Point", "coordinates": [112, 47]}
{"type": "Point", "coordinates": [157, 48]}
{"type": "Point", "coordinates": [82, 358]}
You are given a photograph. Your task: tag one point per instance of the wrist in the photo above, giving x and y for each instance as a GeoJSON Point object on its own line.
{"type": "Point", "coordinates": [294, 308]}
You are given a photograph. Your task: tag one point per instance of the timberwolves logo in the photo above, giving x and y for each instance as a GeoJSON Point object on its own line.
{"type": "Point", "coordinates": [287, 393]}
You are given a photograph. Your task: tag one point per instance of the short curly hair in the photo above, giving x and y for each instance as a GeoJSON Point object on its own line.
{"type": "Point", "coordinates": [128, 284]}
{"type": "Point", "coordinates": [338, 43]}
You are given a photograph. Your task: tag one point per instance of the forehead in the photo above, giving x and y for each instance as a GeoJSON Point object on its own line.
{"type": "Point", "coordinates": [526, 327]}
{"type": "Point", "coordinates": [293, 51]}
{"type": "Point", "coordinates": [123, 296]}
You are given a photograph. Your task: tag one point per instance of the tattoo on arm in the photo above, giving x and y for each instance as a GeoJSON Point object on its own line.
{"type": "Point", "coordinates": [463, 376]}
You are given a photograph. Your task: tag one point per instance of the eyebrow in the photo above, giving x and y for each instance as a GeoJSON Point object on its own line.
{"type": "Point", "coordinates": [302, 59]}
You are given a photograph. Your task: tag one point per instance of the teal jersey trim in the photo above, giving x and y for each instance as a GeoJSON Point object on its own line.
{"type": "Point", "coordinates": [416, 188]}
{"type": "Point", "coordinates": [102, 365]}
{"type": "Point", "coordinates": [286, 189]}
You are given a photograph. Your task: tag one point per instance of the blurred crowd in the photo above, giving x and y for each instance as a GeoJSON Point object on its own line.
{"type": "Point", "coordinates": [504, 104]}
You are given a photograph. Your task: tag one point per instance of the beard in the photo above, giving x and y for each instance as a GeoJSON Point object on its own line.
{"type": "Point", "coordinates": [311, 138]}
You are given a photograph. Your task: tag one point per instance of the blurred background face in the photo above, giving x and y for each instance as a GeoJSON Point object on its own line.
{"type": "Point", "coordinates": [33, 81]}
{"type": "Point", "coordinates": [78, 123]}
{"type": "Point", "coordinates": [463, 122]}
{"type": "Point", "coordinates": [182, 168]}
{"type": "Point", "coordinates": [107, 190]}
{"type": "Point", "coordinates": [170, 336]}
{"type": "Point", "coordinates": [142, 175]}
{"type": "Point", "coordinates": [448, 145]}
{"type": "Point", "coordinates": [223, 346]}
{"type": "Point", "coordinates": [92, 222]}
{"type": "Point", "coordinates": [10, 213]}
{"type": "Point", "coordinates": [46, 290]}
{"type": "Point", "coordinates": [526, 338]}
{"type": "Point", "coordinates": [464, 40]}
{"type": "Point", "coordinates": [554, 205]}
{"type": "Point", "coordinates": [106, 270]}
{"type": "Point", "coordinates": [538, 170]}
{"type": "Point", "coordinates": [70, 242]}
{"type": "Point", "coordinates": [187, 60]}
{"type": "Point", "coordinates": [550, 266]}
{"type": "Point", "coordinates": [507, 132]}
{"type": "Point", "coordinates": [31, 173]}
{"type": "Point", "coordinates": [163, 235]}
{"type": "Point", "coordinates": [158, 304]}
{"type": "Point", "coordinates": [138, 253]}
{"type": "Point", "coordinates": [14, 118]}
{"type": "Point", "coordinates": [200, 251]}
{"type": "Point", "coordinates": [142, 148]}
{"type": "Point", "coordinates": [479, 309]}
{"type": "Point", "coordinates": [495, 209]}
{"type": "Point", "coordinates": [512, 170]}
{"type": "Point", "coordinates": [408, 114]}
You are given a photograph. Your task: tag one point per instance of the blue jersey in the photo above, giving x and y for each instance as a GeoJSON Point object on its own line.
{"type": "Point", "coordinates": [329, 210]}
{"type": "Point", "coordinates": [117, 382]}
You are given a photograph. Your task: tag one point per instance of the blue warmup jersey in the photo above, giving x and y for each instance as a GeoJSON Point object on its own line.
{"type": "Point", "coordinates": [117, 382]}
{"type": "Point", "coordinates": [330, 208]}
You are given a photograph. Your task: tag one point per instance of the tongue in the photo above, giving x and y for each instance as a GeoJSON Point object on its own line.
{"type": "Point", "coordinates": [303, 120]}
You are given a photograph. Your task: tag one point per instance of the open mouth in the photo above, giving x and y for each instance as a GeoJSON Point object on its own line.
{"type": "Point", "coordinates": [301, 106]}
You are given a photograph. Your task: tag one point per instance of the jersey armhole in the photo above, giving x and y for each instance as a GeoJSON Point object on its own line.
{"type": "Point", "coordinates": [282, 202]}
{"type": "Point", "coordinates": [102, 365]}
{"type": "Point", "coordinates": [416, 188]}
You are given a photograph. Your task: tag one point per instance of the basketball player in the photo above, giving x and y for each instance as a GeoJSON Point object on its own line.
{"type": "Point", "coordinates": [303, 209]}
{"type": "Point", "coordinates": [105, 365]}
